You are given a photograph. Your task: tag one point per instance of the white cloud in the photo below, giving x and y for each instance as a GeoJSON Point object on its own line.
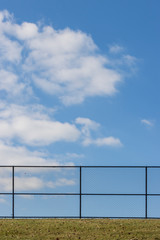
{"type": "Point", "coordinates": [107, 141]}
{"type": "Point", "coordinates": [147, 122]}
{"type": "Point", "coordinates": [33, 126]}
{"type": "Point", "coordinates": [35, 111]}
{"type": "Point", "coordinates": [68, 158]}
{"type": "Point", "coordinates": [5, 184]}
{"type": "Point", "coordinates": [9, 83]}
{"type": "Point", "coordinates": [24, 31]}
{"type": "Point", "coordinates": [60, 183]}
{"type": "Point", "coordinates": [129, 60]}
{"type": "Point", "coordinates": [16, 122]}
{"type": "Point", "coordinates": [64, 63]}
{"type": "Point", "coordinates": [35, 184]}
{"type": "Point", "coordinates": [17, 155]}
{"type": "Point", "coordinates": [31, 183]}
{"type": "Point", "coordinates": [28, 183]}
{"type": "Point", "coordinates": [122, 61]}
{"type": "Point", "coordinates": [40, 132]}
{"type": "Point", "coordinates": [87, 122]}
{"type": "Point", "coordinates": [89, 125]}
{"type": "Point", "coordinates": [28, 197]}
{"type": "Point", "coordinates": [2, 200]}
{"type": "Point", "coordinates": [13, 155]}
{"type": "Point", "coordinates": [79, 77]}
{"type": "Point", "coordinates": [21, 183]}
{"type": "Point", "coordinates": [10, 50]}
{"type": "Point", "coordinates": [116, 49]}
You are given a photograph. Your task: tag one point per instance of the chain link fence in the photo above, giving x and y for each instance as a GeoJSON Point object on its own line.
{"type": "Point", "coordinates": [79, 192]}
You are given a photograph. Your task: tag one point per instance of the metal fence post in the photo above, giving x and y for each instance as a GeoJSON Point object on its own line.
{"type": "Point", "coordinates": [80, 192]}
{"type": "Point", "coordinates": [146, 193]}
{"type": "Point", "coordinates": [13, 192]}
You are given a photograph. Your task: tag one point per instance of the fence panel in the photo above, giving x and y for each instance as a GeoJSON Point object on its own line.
{"type": "Point", "coordinates": [79, 192]}
{"type": "Point", "coordinates": [113, 206]}
{"type": "Point", "coordinates": [112, 180]}
{"type": "Point", "coordinates": [6, 198]}
{"type": "Point", "coordinates": [46, 180]}
{"type": "Point", "coordinates": [154, 192]}
{"type": "Point", "coordinates": [40, 206]}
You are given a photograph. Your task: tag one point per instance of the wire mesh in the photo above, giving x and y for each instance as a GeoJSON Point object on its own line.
{"type": "Point", "coordinates": [46, 206]}
{"type": "Point", "coordinates": [79, 192]}
{"type": "Point", "coordinates": [46, 180]}
{"type": "Point", "coordinates": [103, 180]}
{"type": "Point", "coordinates": [5, 206]}
{"type": "Point", "coordinates": [113, 206]}
{"type": "Point", "coordinates": [154, 206]}
{"type": "Point", "coordinates": [154, 181]}
{"type": "Point", "coordinates": [5, 179]}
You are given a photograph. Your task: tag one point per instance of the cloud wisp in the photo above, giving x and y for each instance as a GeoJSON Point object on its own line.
{"type": "Point", "coordinates": [107, 141]}
{"type": "Point", "coordinates": [115, 49]}
{"type": "Point", "coordinates": [147, 123]}
{"type": "Point", "coordinates": [87, 127]}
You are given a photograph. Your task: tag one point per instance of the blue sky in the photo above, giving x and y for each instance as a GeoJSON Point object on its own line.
{"type": "Point", "coordinates": [79, 83]}
{"type": "Point", "coordinates": [88, 70]}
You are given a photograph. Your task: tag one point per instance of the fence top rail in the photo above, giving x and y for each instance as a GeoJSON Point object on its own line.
{"type": "Point", "coordinates": [67, 166]}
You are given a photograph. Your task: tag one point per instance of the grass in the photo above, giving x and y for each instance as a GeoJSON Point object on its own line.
{"type": "Point", "coordinates": [90, 229]}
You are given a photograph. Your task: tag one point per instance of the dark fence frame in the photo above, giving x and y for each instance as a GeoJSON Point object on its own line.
{"type": "Point", "coordinates": [80, 194]}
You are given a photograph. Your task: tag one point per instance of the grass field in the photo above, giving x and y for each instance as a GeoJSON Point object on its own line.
{"type": "Point", "coordinates": [95, 229]}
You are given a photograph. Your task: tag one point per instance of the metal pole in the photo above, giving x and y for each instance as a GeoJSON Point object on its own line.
{"type": "Point", "coordinates": [80, 193]}
{"type": "Point", "coordinates": [146, 193]}
{"type": "Point", "coordinates": [13, 192]}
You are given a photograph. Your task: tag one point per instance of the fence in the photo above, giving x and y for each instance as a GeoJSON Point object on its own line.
{"type": "Point", "coordinates": [79, 192]}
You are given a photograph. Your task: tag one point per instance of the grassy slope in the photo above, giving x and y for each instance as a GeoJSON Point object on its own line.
{"type": "Point", "coordinates": [95, 229]}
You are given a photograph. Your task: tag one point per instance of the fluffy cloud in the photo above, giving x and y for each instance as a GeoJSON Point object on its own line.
{"type": "Point", "coordinates": [9, 83]}
{"type": "Point", "coordinates": [38, 132]}
{"type": "Point", "coordinates": [16, 122]}
{"type": "Point", "coordinates": [21, 184]}
{"type": "Point", "coordinates": [28, 183]}
{"type": "Point", "coordinates": [36, 183]}
{"type": "Point", "coordinates": [32, 183]}
{"type": "Point", "coordinates": [64, 63]}
{"type": "Point", "coordinates": [32, 125]}
{"type": "Point", "coordinates": [16, 155]}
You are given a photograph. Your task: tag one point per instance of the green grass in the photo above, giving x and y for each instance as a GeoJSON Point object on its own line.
{"type": "Point", "coordinates": [90, 229]}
